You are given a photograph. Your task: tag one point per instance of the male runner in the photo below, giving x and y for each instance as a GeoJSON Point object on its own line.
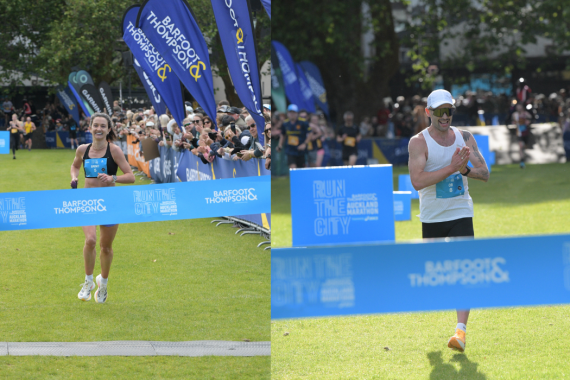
{"type": "Point", "coordinates": [439, 171]}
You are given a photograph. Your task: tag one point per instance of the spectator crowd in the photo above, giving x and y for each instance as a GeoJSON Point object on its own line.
{"type": "Point", "coordinates": [302, 136]}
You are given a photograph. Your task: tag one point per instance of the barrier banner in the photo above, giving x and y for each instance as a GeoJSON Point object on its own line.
{"type": "Point", "coordinates": [134, 156]}
{"type": "Point", "coordinates": [4, 142]}
{"type": "Point", "coordinates": [438, 275]}
{"type": "Point", "coordinates": [402, 205]}
{"type": "Point", "coordinates": [267, 6]}
{"type": "Point", "coordinates": [238, 41]}
{"type": "Point", "coordinates": [191, 168]}
{"type": "Point", "coordinates": [385, 151]}
{"type": "Point", "coordinates": [133, 204]}
{"type": "Point", "coordinates": [161, 84]}
{"type": "Point", "coordinates": [342, 205]}
{"type": "Point", "coordinates": [107, 97]}
{"type": "Point", "coordinates": [67, 99]}
{"type": "Point", "coordinates": [483, 147]}
{"type": "Point", "coordinates": [172, 29]}
{"type": "Point", "coordinates": [290, 79]}
{"type": "Point", "coordinates": [305, 89]}
{"type": "Point", "coordinates": [405, 184]}
{"type": "Point", "coordinates": [316, 83]}
{"type": "Point", "coordinates": [61, 139]}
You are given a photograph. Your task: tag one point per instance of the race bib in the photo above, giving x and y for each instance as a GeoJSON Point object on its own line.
{"type": "Point", "coordinates": [293, 140]}
{"type": "Point", "coordinates": [450, 187]}
{"type": "Point", "coordinates": [350, 141]}
{"type": "Point", "coordinates": [94, 166]}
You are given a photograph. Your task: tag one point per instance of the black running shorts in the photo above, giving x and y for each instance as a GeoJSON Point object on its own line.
{"type": "Point", "coordinates": [453, 228]}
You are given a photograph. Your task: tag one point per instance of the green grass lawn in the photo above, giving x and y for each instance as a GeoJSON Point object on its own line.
{"type": "Point", "coordinates": [509, 343]}
{"type": "Point", "coordinates": [173, 281]}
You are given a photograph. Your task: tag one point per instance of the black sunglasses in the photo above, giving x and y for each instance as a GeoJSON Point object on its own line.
{"type": "Point", "coordinates": [207, 122]}
{"type": "Point", "coordinates": [267, 130]}
{"type": "Point", "coordinates": [439, 112]}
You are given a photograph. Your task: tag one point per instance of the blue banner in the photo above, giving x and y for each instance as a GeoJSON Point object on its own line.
{"type": "Point", "coordinates": [483, 147]}
{"type": "Point", "coordinates": [162, 86]}
{"type": "Point", "coordinates": [305, 89]}
{"type": "Point", "coordinates": [288, 71]}
{"type": "Point", "coordinates": [152, 92]}
{"type": "Point", "coordinates": [386, 151]}
{"type": "Point", "coordinates": [236, 33]}
{"type": "Point", "coordinates": [172, 29]}
{"type": "Point", "coordinates": [267, 6]}
{"type": "Point", "coordinates": [342, 205]}
{"type": "Point", "coordinates": [76, 82]}
{"type": "Point", "coordinates": [191, 168]}
{"type": "Point", "coordinates": [84, 106]}
{"type": "Point", "coordinates": [316, 83]}
{"type": "Point", "coordinates": [134, 204]}
{"type": "Point", "coordinates": [458, 274]}
{"type": "Point", "coordinates": [402, 205]}
{"type": "Point", "coordinates": [405, 184]}
{"type": "Point", "coordinates": [4, 142]}
{"type": "Point", "coordinates": [67, 99]}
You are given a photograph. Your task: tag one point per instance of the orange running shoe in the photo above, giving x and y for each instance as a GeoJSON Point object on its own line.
{"type": "Point", "coordinates": [457, 342]}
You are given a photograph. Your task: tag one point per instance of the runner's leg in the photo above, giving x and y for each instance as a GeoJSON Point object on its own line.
{"type": "Point", "coordinates": [89, 252]}
{"type": "Point", "coordinates": [106, 243]}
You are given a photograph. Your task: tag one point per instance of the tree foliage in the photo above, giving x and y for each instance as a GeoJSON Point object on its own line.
{"type": "Point", "coordinates": [329, 33]}
{"type": "Point", "coordinates": [493, 34]}
{"type": "Point", "coordinates": [49, 38]}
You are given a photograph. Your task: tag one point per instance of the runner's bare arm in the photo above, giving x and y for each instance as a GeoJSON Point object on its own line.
{"type": "Point", "coordinates": [479, 170]}
{"type": "Point", "coordinates": [119, 157]}
{"type": "Point", "coordinates": [77, 161]}
{"type": "Point", "coordinates": [417, 163]}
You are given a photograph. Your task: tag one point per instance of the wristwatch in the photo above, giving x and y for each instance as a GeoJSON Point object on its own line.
{"type": "Point", "coordinates": [467, 172]}
{"type": "Point", "coordinates": [114, 178]}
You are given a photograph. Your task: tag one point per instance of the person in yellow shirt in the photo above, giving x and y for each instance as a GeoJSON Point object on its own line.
{"type": "Point", "coordinates": [15, 128]}
{"type": "Point", "coordinates": [29, 127]}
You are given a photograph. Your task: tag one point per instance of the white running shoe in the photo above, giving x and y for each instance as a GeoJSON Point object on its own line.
{"type": "Point", "coordinates": [101, 293]}
{"type": "Point", "coordinates": [85, 292]}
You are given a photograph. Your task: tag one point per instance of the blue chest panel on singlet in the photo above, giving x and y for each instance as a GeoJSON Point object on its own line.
{"type": "Point", "coordinates": [450, 187]}
{"type": "Point", "coordinates": [94, 166]}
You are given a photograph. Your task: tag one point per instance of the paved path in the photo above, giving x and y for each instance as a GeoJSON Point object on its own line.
{"type": "Point", "coordinates": [136, 348]}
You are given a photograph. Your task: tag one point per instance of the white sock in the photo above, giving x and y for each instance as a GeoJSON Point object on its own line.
{"type": "Point", "coordinates": [89, 278]}
{"type": "Point", "coordinates": [104, 281]}
{"type": "Point", "coordinates": [462, 326]}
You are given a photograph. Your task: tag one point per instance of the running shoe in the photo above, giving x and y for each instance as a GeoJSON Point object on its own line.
{"type": "Point", "coordinates": [85, 292]}
{"type": "Point", "coordinates": [101, 293]}
{"type": "Point", "coordinates": [457, 342]}
{"type": "Point", "coordinates": [522, 165]}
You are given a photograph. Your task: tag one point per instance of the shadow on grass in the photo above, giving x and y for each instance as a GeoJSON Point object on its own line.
{"type": "Point", "coordinates": [441, 370]}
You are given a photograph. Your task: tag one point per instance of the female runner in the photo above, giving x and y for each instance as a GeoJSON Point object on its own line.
{"type": "Point", "coordinates": [100, 162]}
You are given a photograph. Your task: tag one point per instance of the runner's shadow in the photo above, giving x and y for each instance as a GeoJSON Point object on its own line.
{"type": "Point", "coordinates": [443, 370]}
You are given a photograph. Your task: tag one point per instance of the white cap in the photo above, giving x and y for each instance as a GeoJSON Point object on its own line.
{"type": "Point", "coordinates": [150, 124]}
{"type": "Point", "coordinates": [169, 127]}
{"type": "Point", "coordinates": [245, 140]}
{"type": "Point", "coordinates": [146, 112]}
{"type": "Point", "coordinates": [439, 97]}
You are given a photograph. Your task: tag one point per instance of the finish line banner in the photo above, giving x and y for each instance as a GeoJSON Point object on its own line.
{"type": "Point", "coordinates": [134, 204]}
{"type": "Point", "coordinates": [459, 274]}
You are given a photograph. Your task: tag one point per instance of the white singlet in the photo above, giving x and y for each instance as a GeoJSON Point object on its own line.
{"type": "Point", "coordinates": [439, 205]}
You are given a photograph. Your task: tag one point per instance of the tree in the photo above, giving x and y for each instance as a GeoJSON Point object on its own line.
{"type": "Point", "coordinates": [50, 37]}
{"type": "Point", "coordinates": [492, 35]}
{"type": "Point", "coordinates": [329, 34]}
